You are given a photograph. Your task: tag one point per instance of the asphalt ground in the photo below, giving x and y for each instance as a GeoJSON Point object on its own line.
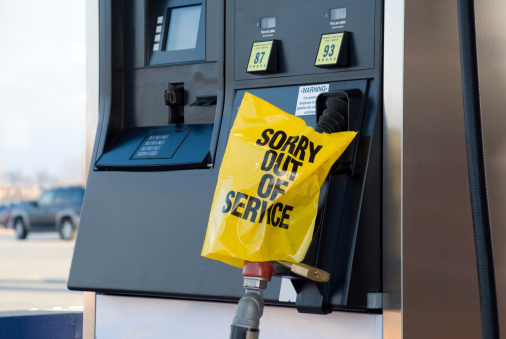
{"type": "Point", "coordinates": [34, 272]}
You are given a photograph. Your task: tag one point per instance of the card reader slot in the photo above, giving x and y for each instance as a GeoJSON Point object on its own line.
{"type": "Point", "coordinates": [204, 101]}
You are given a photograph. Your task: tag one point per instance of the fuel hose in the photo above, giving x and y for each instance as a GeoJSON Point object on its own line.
{"type": "Point", "coordinates": [476, 168]}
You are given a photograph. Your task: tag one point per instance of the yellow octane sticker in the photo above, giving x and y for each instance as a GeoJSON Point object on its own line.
{"type": "Point", "coordinates": [328, 52]}
{"type": "Point", "coordinates": [259, 57]}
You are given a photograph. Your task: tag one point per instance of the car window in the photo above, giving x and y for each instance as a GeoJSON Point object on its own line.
{"type": "Point", "coordinates": [59, 197]}
{"type": "Point", "coordinates": [46, 198]}
{"type": "Point", "coordinates": [76, 196]}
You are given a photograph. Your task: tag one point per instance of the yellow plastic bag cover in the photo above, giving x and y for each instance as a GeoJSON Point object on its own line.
{"type": "Point", "coordinates": [266, 199]}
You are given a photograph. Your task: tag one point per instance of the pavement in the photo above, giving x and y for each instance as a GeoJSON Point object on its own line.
{"type": "Point", "coordinates": [34, 272]}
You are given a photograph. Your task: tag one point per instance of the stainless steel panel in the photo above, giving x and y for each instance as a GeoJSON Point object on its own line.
{"type": "Point", "coordinates": [136, 317]}
{"type": "Point", "coordinates": [89, 315]}
{"type": "Point", "coordinates": [430, 277]}
{"type": "Point", "coordinates": [491, 36]}
{"type": "Point", "coordinates": [392, 172]}
{"type": "Point", "coordinates": [92, 102]}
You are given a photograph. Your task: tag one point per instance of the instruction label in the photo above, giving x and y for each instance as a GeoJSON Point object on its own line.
{"type": "Point", "coordinates": [307, 98]}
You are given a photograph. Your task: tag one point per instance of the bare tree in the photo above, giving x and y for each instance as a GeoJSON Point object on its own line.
{"type": "Point", "coordinates": [17, 178]}
{"type": "Point", "coordinates": [45, 180]}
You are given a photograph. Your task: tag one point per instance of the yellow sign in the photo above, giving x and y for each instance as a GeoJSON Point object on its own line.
{"type": "Point", "coordinates": [259, 57]}
{"type": "Point", "coordinates": [328, 52]}
{"type": "Point", "coordinates": [266, 198]}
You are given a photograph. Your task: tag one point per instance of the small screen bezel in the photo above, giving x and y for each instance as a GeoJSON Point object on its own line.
{"type": "Point", "coordinates": [161, 56]}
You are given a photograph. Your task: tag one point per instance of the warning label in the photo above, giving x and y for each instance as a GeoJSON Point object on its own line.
{"type": "Point", "coordinates": [307, 98]}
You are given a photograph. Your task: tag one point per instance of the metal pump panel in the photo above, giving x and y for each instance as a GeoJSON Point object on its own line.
{"type": "Point", "coordinates": [172, 76]}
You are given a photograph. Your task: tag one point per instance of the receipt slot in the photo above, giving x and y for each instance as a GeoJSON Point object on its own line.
{"type": "Point", "coordinates": [172, 76]}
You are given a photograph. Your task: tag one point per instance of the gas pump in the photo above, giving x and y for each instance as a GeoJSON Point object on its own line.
{"type": "Point", "coordinates": [172, 75]}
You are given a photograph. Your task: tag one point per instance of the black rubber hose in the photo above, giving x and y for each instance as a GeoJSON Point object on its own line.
{"type": "Point", "coordinates": [332, 121]}
{"type": "Point", "coordinates": [238, 332]}
{"type": "Point", "coordinates": [476, 167]}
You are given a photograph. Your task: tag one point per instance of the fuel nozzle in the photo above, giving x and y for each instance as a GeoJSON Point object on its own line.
{"type": "Point", "coordinates": [336, 112]}
{"type": "Point", "coordinates": [333, 118]}
{"type": "Point", "coordinates": [250, 308]}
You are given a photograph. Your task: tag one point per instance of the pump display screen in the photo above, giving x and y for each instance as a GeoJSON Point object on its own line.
{"type": "Point", "coordinates": [268, 22]}
{"type": "Point", "coordinates": [183, 28]}
{"type": "Point", "coordinates": [338, 13]}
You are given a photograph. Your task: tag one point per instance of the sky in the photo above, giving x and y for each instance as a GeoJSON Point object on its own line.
{"type": "Point", "coordinates": [42, 88]}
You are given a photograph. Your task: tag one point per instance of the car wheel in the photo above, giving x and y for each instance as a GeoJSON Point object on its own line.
{"type": "Point", "coordinates": [67, 230]}
{"type": "Point", "coordinates": [19, 227]}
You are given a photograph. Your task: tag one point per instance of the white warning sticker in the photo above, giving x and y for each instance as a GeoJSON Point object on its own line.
{"type": "Point", "coordinates": [307, 98]}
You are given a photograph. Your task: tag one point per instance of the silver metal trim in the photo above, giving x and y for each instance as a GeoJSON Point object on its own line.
{"type": "Point", "coordinates": [89, 315]}
{"type": "Point", "coordinates": [92, 105]}
{"type": "Point", "coordinates": [92, 87]}
{"type": "Point", "coordinates": [255, 283]}
{"type": "Point", "coordinates": [393, 84]}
